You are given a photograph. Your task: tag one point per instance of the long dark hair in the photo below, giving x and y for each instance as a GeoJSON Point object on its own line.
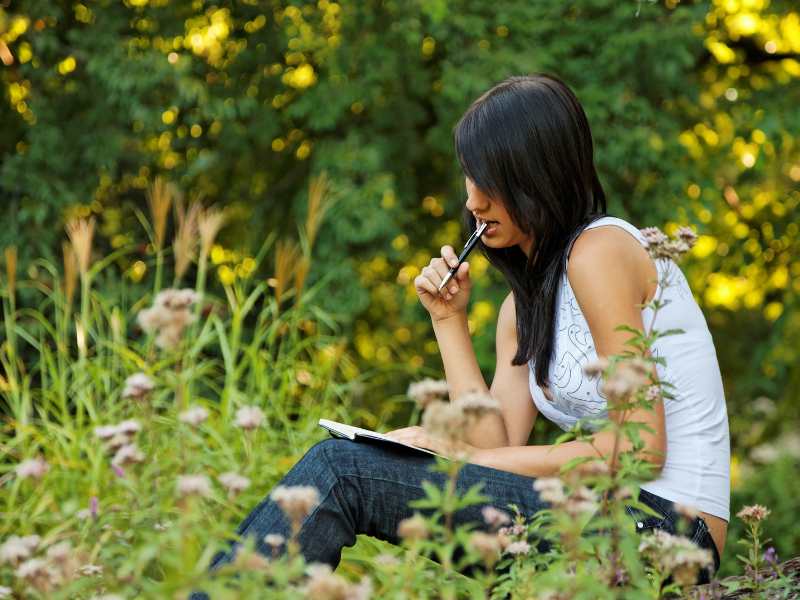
{"type": "Point", "coordinates": [526, 142]}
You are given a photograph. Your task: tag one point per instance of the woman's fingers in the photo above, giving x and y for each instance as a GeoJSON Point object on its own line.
{"type": "Point", "coordinates": [450, 256]}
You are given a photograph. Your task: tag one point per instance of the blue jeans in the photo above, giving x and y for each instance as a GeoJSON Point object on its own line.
{"type": "Point", "coordinates": [365, 488]}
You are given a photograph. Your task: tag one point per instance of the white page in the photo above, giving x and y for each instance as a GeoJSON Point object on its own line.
{"type": "Point", "coordinates": [351, 432]}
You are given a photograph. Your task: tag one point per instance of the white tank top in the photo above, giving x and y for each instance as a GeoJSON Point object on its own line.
{"type": "Point", "coordinates": [696, 470]}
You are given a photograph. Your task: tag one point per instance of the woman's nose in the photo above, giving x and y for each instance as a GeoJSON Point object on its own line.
{"type": "Point", "coordinates": [473, 204]}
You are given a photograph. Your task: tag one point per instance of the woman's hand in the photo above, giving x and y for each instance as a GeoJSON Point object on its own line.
{"type": "Point", "coordinates": [417, 436]}
{"type": "Point", "coordinates": [453, 298]}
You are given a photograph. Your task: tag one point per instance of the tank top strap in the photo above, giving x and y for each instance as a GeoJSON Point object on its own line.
{"type": "Point", "coordinates": [609, 220]}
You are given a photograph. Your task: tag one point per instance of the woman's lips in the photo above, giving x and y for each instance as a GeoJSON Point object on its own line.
{"type": "Point", "coordinates": [491, 228]}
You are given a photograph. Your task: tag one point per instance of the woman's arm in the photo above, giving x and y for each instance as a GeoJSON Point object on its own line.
{"type": "Point", "coordinates": [610, 272]}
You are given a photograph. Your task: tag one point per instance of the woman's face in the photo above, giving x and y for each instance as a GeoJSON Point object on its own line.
{"type": "Point", "coordinates": [502, 231]}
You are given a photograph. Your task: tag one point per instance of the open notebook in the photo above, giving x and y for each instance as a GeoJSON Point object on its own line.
{"type": "Point", "coordinates": [357, 433]}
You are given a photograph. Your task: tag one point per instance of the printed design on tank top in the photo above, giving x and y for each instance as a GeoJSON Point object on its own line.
{"type": "Point", "coordinates": [573, 392]}
{"type": "Point", "coordinates": [570, 391]}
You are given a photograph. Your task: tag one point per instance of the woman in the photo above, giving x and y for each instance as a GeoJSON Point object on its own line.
{"type": "Point", "coordinates": [526, 150]}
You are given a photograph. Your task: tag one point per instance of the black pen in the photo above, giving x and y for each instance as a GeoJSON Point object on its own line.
{"type": "Point", "coordinates": [473, 239]}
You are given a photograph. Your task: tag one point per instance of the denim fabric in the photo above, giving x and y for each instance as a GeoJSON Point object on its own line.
{"type": "Point", "coordinates": [365, 488]}
{"type": "Point", "coordinates": [673, 522]}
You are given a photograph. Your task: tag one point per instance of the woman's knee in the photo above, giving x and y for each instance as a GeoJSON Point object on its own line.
{"type": "Point", "coordinates": [337, 452]}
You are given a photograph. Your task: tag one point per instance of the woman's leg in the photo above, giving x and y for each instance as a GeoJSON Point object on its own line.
{"type": "Point", "coordinates": [365, 488]}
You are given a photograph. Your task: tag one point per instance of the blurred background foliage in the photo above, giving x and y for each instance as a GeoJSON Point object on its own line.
{"type": "Point", "coordinates": [693, 107]}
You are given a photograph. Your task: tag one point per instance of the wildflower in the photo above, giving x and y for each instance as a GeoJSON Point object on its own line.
{"type": "Point", "coordinates": [169, 316]}
{"type": "Point", "coordinates": [60, 551]}
{"type": "Point", "coordinates": [153, 318]}
{"type": "Point", "coordinates": [477, 404]}
{"type": "Point", "coordinates": [118, 470]}
{"type": "Point", "coordinates": [105, 431]}
{"type": "Point", "coordinates": [248, 560]}
{"type": "Point", "coordinates": [274, 539]}
{"type": "Point", "coordinates": [194, 415]}
{"type": "Point", "coordinates": [771, 556]}
{"type": "Point", "coordinates": [596, 368]}
{"type": "Point", "coordinates": [65, 559]}
{"type": "Point", "coordinates": [185, 236]}
{"type": "Point", "coordinates": [444, 420]}
{"type": "Point", "coordinates": [690, 512]}
{"type": "Point", "coordinates": [687, 235]}
{"type": "Point", "coordinates": [88, 570]}
{"type": "Point", "coordinates": [627, 378]}
{"type": "Point", "coordinates": [162, 526]}
{"type": "Point", "coordinates": [362, 590]}
{"type": "Point", "coordinates": [287, 254]}
{"type": "Point", "coordinates": [518, 548]}
{"type": "Point", "coordinates": [324, 584]}
{"type": "Point", "coordinates": [551, 490]}
{"type": "Point", "coordinates": [676, 555]}
{"type": "Point", "coordinates": [129, 454]}
{"type": "Point", "coordinates": [194, 485]}
{"type": "Point", "coordinates": [92, 511]}
{"type": "Point", "coordinates": [515, 529]}
{"type": "Point", "coordinates": [80, 233]}
{"type": "Point", "coordinates": [652, 393]}
{"type": "Point", "coordinates": [413, 528]}
{"type": "Point", "coordinates": [119, 436]}
{"type": "Point", "coordinates": [494, 517]}
{"type": "Point", "coordinates": [487, 545]}
{"type": "Point", "coordinates": [249, 417]}
{"type": "Point", "coordinates": [209, 222]}
{"type": "Point", "coordinates": [137, 386]}
{"type": "Point", "coordinates": [38, 573]}
{"type": "Point", "coordinates": [753, 514]}
{"type": "Point", "coordinates": [5, 592]}
{"type": "Point", "coordinates": [33, 467]}
{"type": "Point", "coordinates": [175, 299]}
{"type": "Point", "coordinates": [425, 391]}
{"type": "Point", "coordinates": [233, 482]}
{"type": "Point", "coordinates": [129, 427]}
{"type": "Point", "coordinates": [296, 501]}
{"type": "Point", "coordinates": [581, 500]}
{"type": "Point", "coordinates": [16, 549]}
{"type": "Point", "coordinates": [654, 236]}
{"type": "Point", "coordinates": [159, 199]}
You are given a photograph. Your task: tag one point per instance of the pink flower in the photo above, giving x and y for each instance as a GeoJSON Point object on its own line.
{"type": "Point", "coordinates": [487, 545]}
{"type": "Point", "coordinates": [194, 415]}
{"type": "Point", "coordinates": [296, 501]}
{"type": "Point", "coordinates": [249, 417]}
{"type": "Point", "coordinates": [494, 517]}
{"type": "Point", "coordinates": [274, 539]}
{"type": "Point", "coordinates": [518, 548]}
{"type": "Point", "coordinates": [425, 391]}
{"type": "Point", "coordinates": [137, 386]}
{"type": "Point", "coordinates": [550, 489]}
{"type": "Point", "coordinates": [89, 569]}
{"type": "Point", "coordinates": [33, 467]}
{"type": "Point", "coordinates": [194, 485]}
{"type": "Point", "coordinates": [753, 514]}
{"type": "Point", "coordinates": [413, 528]}
{"type": "Point", "coordinates": [596, 368]}
{"type": "Point", "coordinates": [16, 549]}
{"type": "Point", "coordinates": [129, 454]}
{"type": "Point", "coordinates": [169, 316]}
{"type": "Point", "coordinates": [233, 482]}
